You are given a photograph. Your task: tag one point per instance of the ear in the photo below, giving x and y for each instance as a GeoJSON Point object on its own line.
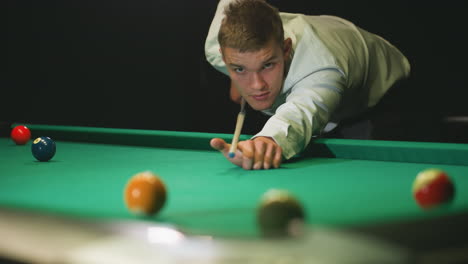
{"type": "Point", "coordinates": [287, 47]}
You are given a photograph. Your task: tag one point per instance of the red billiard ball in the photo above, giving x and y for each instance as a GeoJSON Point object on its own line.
{"type": "Point", "coordinates": [145, 194]}
{"type": "Point", "coordinates": [20, 135]}
{"type": "Point", "coordinates": [280, 214]}
{"type": "Point", "coordinates": [432, 187]}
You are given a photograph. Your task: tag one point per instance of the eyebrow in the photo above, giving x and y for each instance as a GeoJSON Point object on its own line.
{"type": "Point", "coordinates": [235, 65]}
{"type": "Point", "coordinates": [274, 57]}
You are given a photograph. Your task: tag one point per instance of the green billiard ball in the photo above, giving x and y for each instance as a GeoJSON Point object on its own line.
{"type": "Point", "coordinates": [43, 148]}
{"type": "Point", "coordinates": [279, 214]}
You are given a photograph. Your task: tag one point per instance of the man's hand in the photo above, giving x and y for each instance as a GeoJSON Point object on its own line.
{"type": "Point", "coordinates": [234, 94]}
{"type": "Point", "coordinates": [259, 153]}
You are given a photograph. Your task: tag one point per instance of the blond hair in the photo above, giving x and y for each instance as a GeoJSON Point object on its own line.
{"type": "Point", "coordinates": [249, 25]}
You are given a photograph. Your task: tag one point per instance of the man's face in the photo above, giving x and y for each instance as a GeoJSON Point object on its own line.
{"type": "Point", "coordinates": [258, 75]}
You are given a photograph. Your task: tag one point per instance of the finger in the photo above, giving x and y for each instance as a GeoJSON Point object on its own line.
{"type": "Point", "coordinates": [268, 158]}
{"type": "Point", "coordinates": [258, 154]}
{"type": "Point", "coordinates": [248, 151]}
{"type": "Point", "coordinates": [278, 157]}
{"type": "Point", "coordinates": [219, 144]}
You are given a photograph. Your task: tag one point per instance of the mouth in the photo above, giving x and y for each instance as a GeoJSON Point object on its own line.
{"type": "Point", "coordinates": [261, 97]}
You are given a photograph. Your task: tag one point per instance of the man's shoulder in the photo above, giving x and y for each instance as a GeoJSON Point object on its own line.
{"type": "Point", "coordinates": [313, 19]}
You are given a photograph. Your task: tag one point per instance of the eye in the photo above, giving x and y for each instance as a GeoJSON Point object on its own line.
{"type": "Point", "coordinates": [239, 70]}
{"type": "Point", "coordinates": [268, 65]}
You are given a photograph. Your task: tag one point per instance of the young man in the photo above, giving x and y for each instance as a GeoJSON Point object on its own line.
{"type": "Point", "coordinates": [304, 71]}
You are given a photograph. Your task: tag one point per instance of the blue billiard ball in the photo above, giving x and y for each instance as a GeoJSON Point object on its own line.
{"type": "Point", "coordinates": [43, 148]}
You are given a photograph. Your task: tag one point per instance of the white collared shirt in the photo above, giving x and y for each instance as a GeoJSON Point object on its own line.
{"type": "Point", "coordinates": [337, 71]}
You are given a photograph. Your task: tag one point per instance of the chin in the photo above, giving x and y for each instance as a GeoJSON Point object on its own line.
{"type": "Point", "coordinates": [260, 106]}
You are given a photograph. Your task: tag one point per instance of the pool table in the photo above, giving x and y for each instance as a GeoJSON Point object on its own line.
{"type": "Point", "coordinates": [360, 187]}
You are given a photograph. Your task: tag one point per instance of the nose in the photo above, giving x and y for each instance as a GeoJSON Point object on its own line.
{"type": "Point", "coordinates": [257, 81]}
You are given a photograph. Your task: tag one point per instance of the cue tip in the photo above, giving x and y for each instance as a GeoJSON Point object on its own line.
{"type": "Point", "coordinates": [232, 155]}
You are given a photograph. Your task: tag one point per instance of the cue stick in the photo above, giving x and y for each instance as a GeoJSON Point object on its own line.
{"type": "Point", "coordinates": [239, 124]}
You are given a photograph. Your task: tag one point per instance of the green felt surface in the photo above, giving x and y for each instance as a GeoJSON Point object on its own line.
{"type": "Point", "coordinates": [206, 193]}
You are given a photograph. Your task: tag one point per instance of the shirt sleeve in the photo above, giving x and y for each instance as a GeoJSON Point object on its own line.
{"type": "Point", "coordinates": [306, 111]}
{"type": "Point", "coordinates": [212, 52]}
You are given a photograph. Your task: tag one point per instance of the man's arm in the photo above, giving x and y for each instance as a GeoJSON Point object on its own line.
{"type": "Point", "coordinates": [212, 48]}
{"type": "Point", "coordinates": [306, 111]}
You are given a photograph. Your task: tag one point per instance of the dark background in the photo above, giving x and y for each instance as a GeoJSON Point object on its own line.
{"type": "Point", "coordinates": [140, 64]}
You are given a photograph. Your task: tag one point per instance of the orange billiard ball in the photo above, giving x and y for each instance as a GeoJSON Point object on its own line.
{"type": "Point", "coordinates": [145, 193]}
{"type": "Point", "coordinates": [20, 135]}
{"type": "Point", "coordinates": [432, 187]}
